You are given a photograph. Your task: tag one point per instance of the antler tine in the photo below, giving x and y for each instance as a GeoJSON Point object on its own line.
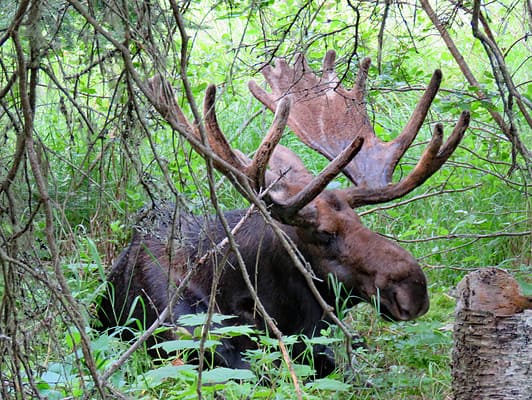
{"type": "Point", "coordinates": [259, 163]}
{"type": "Point", "coordinates": [434, 156]}
{"type": "Point", "coordinates": [318, 184]}
{"type": "Point", "coordinates": [255, 169]}
{"type": "Point", "coordinates": [328, 61]}
{"type": "Point", "coordinates": [456, 136]}
{"type": "Point", "coordinates": [217, 140]}
{"type": "Point", "coordinates": [162, 91]}
{"type": "Point", "coordinates": [411, 129]}
{"type": "Point", "coordinates": [328, 72]}
{"type": "Point", "coordinates": [283, 74]}
{"type": "Point", "coordinates": [300, 65]}
{"type": "Point", "coordinates": [359, 88]}
{"type": "Point", "coordinates": [287, 212]}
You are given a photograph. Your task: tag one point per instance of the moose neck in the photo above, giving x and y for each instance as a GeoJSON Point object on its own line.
{"type": "Point", "coordinates": [266, 258]}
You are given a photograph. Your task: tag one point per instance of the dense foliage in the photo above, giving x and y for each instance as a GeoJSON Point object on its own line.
{"type": "Point", "coordinates": [83, 149]}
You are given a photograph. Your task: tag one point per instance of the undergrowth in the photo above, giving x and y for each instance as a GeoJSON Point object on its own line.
{"type": "Point", "coordinates": [404, 360]}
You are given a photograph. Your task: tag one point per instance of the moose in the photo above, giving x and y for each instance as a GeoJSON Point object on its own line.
{"type": "Point", "coordinates": [330, 238]}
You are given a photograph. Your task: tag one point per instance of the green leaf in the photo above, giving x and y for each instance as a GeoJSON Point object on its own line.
{"type": "Point", "coordinates": [322, 340]}
{"type": "Point", "coordinates": [220, 375]}
{"type": "Point", "coordinates": [72, 339]}
{"type": "Point", "coordinates": [328, 384]}
{"type": "Point", "coordinates": [201, 319]}
{"type": "Point", "coordinates": [51, 378]}
{"type": "Point", "coordinates": [157, 376]}
{"type": "Point", "coordinates": [526, 287]}
{"type": "Point", "coordinates": [238, 330]}
{"type": "Point", "coordinates": [178, 345]}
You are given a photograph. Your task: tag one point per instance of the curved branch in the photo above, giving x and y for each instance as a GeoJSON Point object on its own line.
{"type": "Point", "coordinates": [464, 67]}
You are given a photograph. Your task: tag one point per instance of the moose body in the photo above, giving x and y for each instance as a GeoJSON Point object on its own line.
{"type": "Point", "coordinates": [329, 236]}
{"type": "Point", "coordinates": [153, 265]}
{"type": "Point", "coordinates": [144, 270]}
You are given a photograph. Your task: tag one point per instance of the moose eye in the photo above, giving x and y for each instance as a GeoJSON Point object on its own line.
{"type": "Point", "coordinates": [325, 237]}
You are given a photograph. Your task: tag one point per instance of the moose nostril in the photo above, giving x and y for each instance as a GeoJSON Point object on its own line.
{"type": "Point", "coordinates": [420, 307]}
{"type": "Point", "coordinates": [405, 314]}
{"type": "Point", "coordinates": [408, 306]}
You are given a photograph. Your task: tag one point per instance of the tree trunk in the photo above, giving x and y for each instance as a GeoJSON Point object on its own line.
{"type": "Point", "coordinates": [492, 354]}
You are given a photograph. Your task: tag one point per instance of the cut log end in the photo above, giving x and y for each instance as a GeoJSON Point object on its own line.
{"type": "Point", "coordinates": [492, 290]}
{"type": "Point", "coordinates": [492, 353]}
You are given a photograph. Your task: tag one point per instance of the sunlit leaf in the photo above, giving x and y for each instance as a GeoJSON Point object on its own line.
{"type": "Point", "coordinates": [220, 375]}
{"type": "Point", "coordinates": [201, 319]}
{"type": "Point", "coordinates": [329, 385]}
{"type": "Point", "coordinates": [179, 345]}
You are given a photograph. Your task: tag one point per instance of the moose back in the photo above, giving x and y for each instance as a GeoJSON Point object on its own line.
{"type": "Point", "coordinates": [169, 244]}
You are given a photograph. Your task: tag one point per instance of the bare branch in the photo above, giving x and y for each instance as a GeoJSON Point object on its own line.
{"type": "Point", "coordinates": [506, 129]}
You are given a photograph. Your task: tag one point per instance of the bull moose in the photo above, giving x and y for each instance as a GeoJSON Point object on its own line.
{"type": "Point", "coordinates": [170, 245]}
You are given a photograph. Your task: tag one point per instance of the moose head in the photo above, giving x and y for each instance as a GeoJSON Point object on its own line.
{"type": "Point", "coordinates": [321, 222]}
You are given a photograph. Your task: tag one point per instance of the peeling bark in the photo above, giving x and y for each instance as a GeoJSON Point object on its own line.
{"type": "Point", "coordinates": [492, 354]}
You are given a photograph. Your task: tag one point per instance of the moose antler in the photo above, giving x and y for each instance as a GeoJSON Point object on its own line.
{"type": "Point", "coordinates": [255, 169]}
{"type": "Point", "coordinates": [327, 117]}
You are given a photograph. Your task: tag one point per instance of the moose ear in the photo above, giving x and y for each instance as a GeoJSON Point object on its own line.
{"type": "Point", "coordinates": [284, 163]}
{"type": "Point", "coordinates": [308, 216]}
{"type": "Point", "coordinates": [286, 173]}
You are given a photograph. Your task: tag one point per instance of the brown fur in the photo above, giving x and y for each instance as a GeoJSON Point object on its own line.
{"type": "Point", "coordinates": [333, 243]}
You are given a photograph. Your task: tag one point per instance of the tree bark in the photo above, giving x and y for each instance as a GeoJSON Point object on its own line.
{"type": "Point", "coordinates": [492, 354]}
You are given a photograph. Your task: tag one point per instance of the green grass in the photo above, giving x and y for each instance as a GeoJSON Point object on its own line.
{"type": "Point", "coordinates": [404, 360]}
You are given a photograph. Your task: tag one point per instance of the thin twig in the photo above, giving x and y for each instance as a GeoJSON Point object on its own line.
{"type": "Point", "coordinates": [464, 236]}
{"type": "Point", "coordinates": [420, 197]}
{"type": "Point", "coordinates": [464, 67]}
{"type": "Point", "coordinates": [73, 309]}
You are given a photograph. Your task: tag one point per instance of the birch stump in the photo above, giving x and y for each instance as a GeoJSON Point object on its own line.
{"type": "Point", "coordinates": [492, 354]}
